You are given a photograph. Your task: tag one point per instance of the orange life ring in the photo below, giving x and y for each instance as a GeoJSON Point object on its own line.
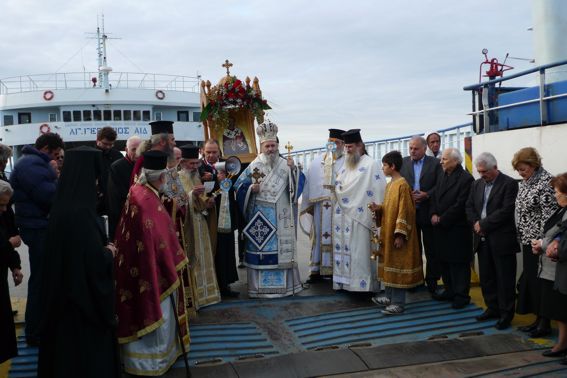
{"type": "Point", "coordinates": [160, 95]}
{"type": "Point", "coordinates": [44, 128]}
{"type": "Point", "coordinates": [48, 95]}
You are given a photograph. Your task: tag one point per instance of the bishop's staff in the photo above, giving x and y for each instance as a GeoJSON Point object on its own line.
{"type": "Point", "coordinates": [289, 147]}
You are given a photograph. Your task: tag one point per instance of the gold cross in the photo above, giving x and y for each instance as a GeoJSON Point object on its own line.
{"type": "Point", "coordinates": [288, 147]}
{"type": "Point", "coordinates": [227, 65]}
{"type": "Point", "coordinates": [257, 175]}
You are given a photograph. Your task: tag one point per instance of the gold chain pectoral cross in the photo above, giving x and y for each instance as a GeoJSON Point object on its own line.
{"type": "Point", "coordinates": [257, 175]}
{"type": "Point", "coordinates": [227, 65]}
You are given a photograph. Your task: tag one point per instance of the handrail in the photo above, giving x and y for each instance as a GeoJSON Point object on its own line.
{"type": "Point", "coordinates": [441, 131]}
{"type": "Point", "coordinates": [522, 73]}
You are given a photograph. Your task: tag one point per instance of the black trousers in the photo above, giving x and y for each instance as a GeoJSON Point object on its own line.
{"type": "Point", "coordinates": [433, 265]}
{"type": "Point", "coordinates": [457, 280]}
{"type": "Point", "coordinates": [497, 280]}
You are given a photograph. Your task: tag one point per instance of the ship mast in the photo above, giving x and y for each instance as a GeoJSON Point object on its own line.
{"type": "Point", "coordinates": [103, 68]}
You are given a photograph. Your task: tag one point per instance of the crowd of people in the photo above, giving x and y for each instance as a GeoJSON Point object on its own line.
{"type": "Point", "coordinates": [125, 249]}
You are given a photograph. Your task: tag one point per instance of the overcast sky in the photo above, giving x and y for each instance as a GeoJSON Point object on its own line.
{"type": "Point", "coordinates": [388, 67]}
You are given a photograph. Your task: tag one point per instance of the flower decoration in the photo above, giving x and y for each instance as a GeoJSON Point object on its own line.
{"type": "Point", "coordinates": [233, 94]}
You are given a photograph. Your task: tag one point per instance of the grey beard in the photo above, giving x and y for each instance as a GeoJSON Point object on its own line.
{"type": "Point", "coordinates": [193, 174]}
{"type": "Point", "coordinates": [272, 159]}
{"type": "Point", "coordinates": [352, 160]}
{"type": "Point", "coordinates": [338, 154]}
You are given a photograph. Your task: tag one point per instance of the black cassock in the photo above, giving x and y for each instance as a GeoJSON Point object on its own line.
{"type": "Point", "coordinates": [225, 260]}
{"type": "Point", "coordinates": [9, 258]}
{"type": "Point", "coordinates": [117, 191]}
{"type": "Point", "coordinates": [78, 328]}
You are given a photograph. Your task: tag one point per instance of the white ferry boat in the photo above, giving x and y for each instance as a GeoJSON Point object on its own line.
{"type": "Point", "coordinates": [76, 104]}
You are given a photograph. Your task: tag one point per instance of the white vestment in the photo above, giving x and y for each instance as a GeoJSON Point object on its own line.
{"type": "Point", "coordinates": [317, 202]}
{"type": "Point", "coordinates": [352, 225]}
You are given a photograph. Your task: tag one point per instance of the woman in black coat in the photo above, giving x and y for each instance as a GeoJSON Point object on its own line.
{"type": "Point", "coordinates": [553, 268]}
{"type": "Point", "coordinates": [453, 235]}
{"type": "Point", "coordinates": [9, 259]}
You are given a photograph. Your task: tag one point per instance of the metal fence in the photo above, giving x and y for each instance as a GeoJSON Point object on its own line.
{"type": "Point", "coordinates": [450, 137]}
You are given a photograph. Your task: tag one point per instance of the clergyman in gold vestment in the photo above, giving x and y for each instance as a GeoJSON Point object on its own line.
{"type": "Point", "coordinates": [196, 231]}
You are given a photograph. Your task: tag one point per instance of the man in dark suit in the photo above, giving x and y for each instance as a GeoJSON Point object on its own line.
{"type": "Point", "coordinates": [222, 242]}
{"type": "Point", "coordinates": [490, 210]}
{"type": "Point", "coordinates": [421, 172]}
{"type": "Point", "coordinates": [453, 234]}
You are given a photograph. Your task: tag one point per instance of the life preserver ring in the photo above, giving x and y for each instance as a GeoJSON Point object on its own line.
{"type": "Point", "coordinates": [44, 128]}
{"type": "Point", "coordinates": [160, 95]}
{"type": "Point", "coordinates": [48, 95]}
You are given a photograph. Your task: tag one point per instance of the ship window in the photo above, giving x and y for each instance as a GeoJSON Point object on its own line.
{"type": "Point", "coordinates": [183, 116]}
{"type": "Point", "coordinates": [76, 116]}
{"type": "Point", "coordinates": [8, 120]}
{"type": "Point", "coordinates": [127, 115]}
{"type": "Point", "coordinates": [87, 115]}
{"type": "Point", "coordinates": [158, 116]}
{"type": "Point", "coordinates": [107, 115]}
{"type": "Point", "coordinates": [117, 115]}
{"type": "Point", "coordinates": [24, 118]}
{"type": "Point", "coordinates": [137, 115]}
{"type": "Point", "coordinates": [146, 115]}
{"type": "Point", "coordinates": [196, 116]}
{"type": "Point", "coordinates": [97, 115]}
{"type": "Point", "coordinates": [66, 116]}
{"type": "Point", "coordinates": [52, 117]}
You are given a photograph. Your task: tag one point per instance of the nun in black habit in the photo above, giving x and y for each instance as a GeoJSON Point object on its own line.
{"type": "Point", "coordinates": [77, 297]}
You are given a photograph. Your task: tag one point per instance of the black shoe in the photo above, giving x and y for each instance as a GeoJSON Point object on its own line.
{"type": "Point", "coordinates": [558, 353]}
{"type": "Point", "coordinates": [432, 287]}
{"type": "Point", "coordinates": [529, 328]}
{"type": "Point", "coordinates": [314, 278]}
{"type": "Point", "coordinates": [503, 323]}
{"type": "Point", "coordinates": [457, 305]}
{"type": "Point", "coordinates": [443, 296]}
{"type": "Point", "coordinates": [32, 342]}
{"type": "Point", "coordinates": [487, 315]}
{"type": "Point", "coordinates": [540, 332]}
{"type": "Point", "coordinates": [229, 293]}
{"type": "Point", "coordinates": [241, 265]}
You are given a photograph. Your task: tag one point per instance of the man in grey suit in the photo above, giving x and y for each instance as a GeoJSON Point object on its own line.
{"type": "Point", "coordinates": [490, 210]}
{"type": "Point", "coordinates": [422, 172]}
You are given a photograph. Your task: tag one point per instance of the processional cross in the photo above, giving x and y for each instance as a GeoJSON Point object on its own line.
{"type": "Point", "coordinates": [227, 65]}
{"type": "Point", "coordinates": [288, 147]}
{"type": "Point", "coordinates": [257, 175]}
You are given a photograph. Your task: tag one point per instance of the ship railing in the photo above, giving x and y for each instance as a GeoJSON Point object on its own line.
{"type": "Point", "coordinates": [450, 137]}
{"type": "Point", "coordinates": [73, 80]}
{"type": "Point", "coordinates": [485, 98]}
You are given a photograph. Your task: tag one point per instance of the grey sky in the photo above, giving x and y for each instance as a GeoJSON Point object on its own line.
{"type": "Point", "coordinates": [388, 67]}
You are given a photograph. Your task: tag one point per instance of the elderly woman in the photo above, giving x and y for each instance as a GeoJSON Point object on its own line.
{"type": "Point", "coordinates": [453, 233]}
{"type": "Point", "coordinates": [535, 203]}
{"type": "Point", "coordinates": [9, 258]}
{"type": "Point", "coordinates": [552, 249]}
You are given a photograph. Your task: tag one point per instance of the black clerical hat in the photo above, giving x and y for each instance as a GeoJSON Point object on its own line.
{"type": "Point", "coordinates": [188, 151]}
{"type": "Point", "coordinates": [336, 134]}
{"type": "Point", "coordinates": [352, 136]}
{"type": "Point", "coordinates": [162, 127]}
{"type": "Point", "coordinates": [155, 160]}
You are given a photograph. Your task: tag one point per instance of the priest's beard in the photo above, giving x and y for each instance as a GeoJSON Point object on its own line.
{"type": "Point", "coordinates": [194, 174]}
{"type": "Point", "coordinates": [352, 159]}
{"type": "Point", "coordinates": [271, 159]}
{"type": "Point", "coordinates": [338, 154]}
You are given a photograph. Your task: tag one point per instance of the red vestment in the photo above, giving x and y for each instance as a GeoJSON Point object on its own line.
{"type": "Point", "coordinates": [147, 265]}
